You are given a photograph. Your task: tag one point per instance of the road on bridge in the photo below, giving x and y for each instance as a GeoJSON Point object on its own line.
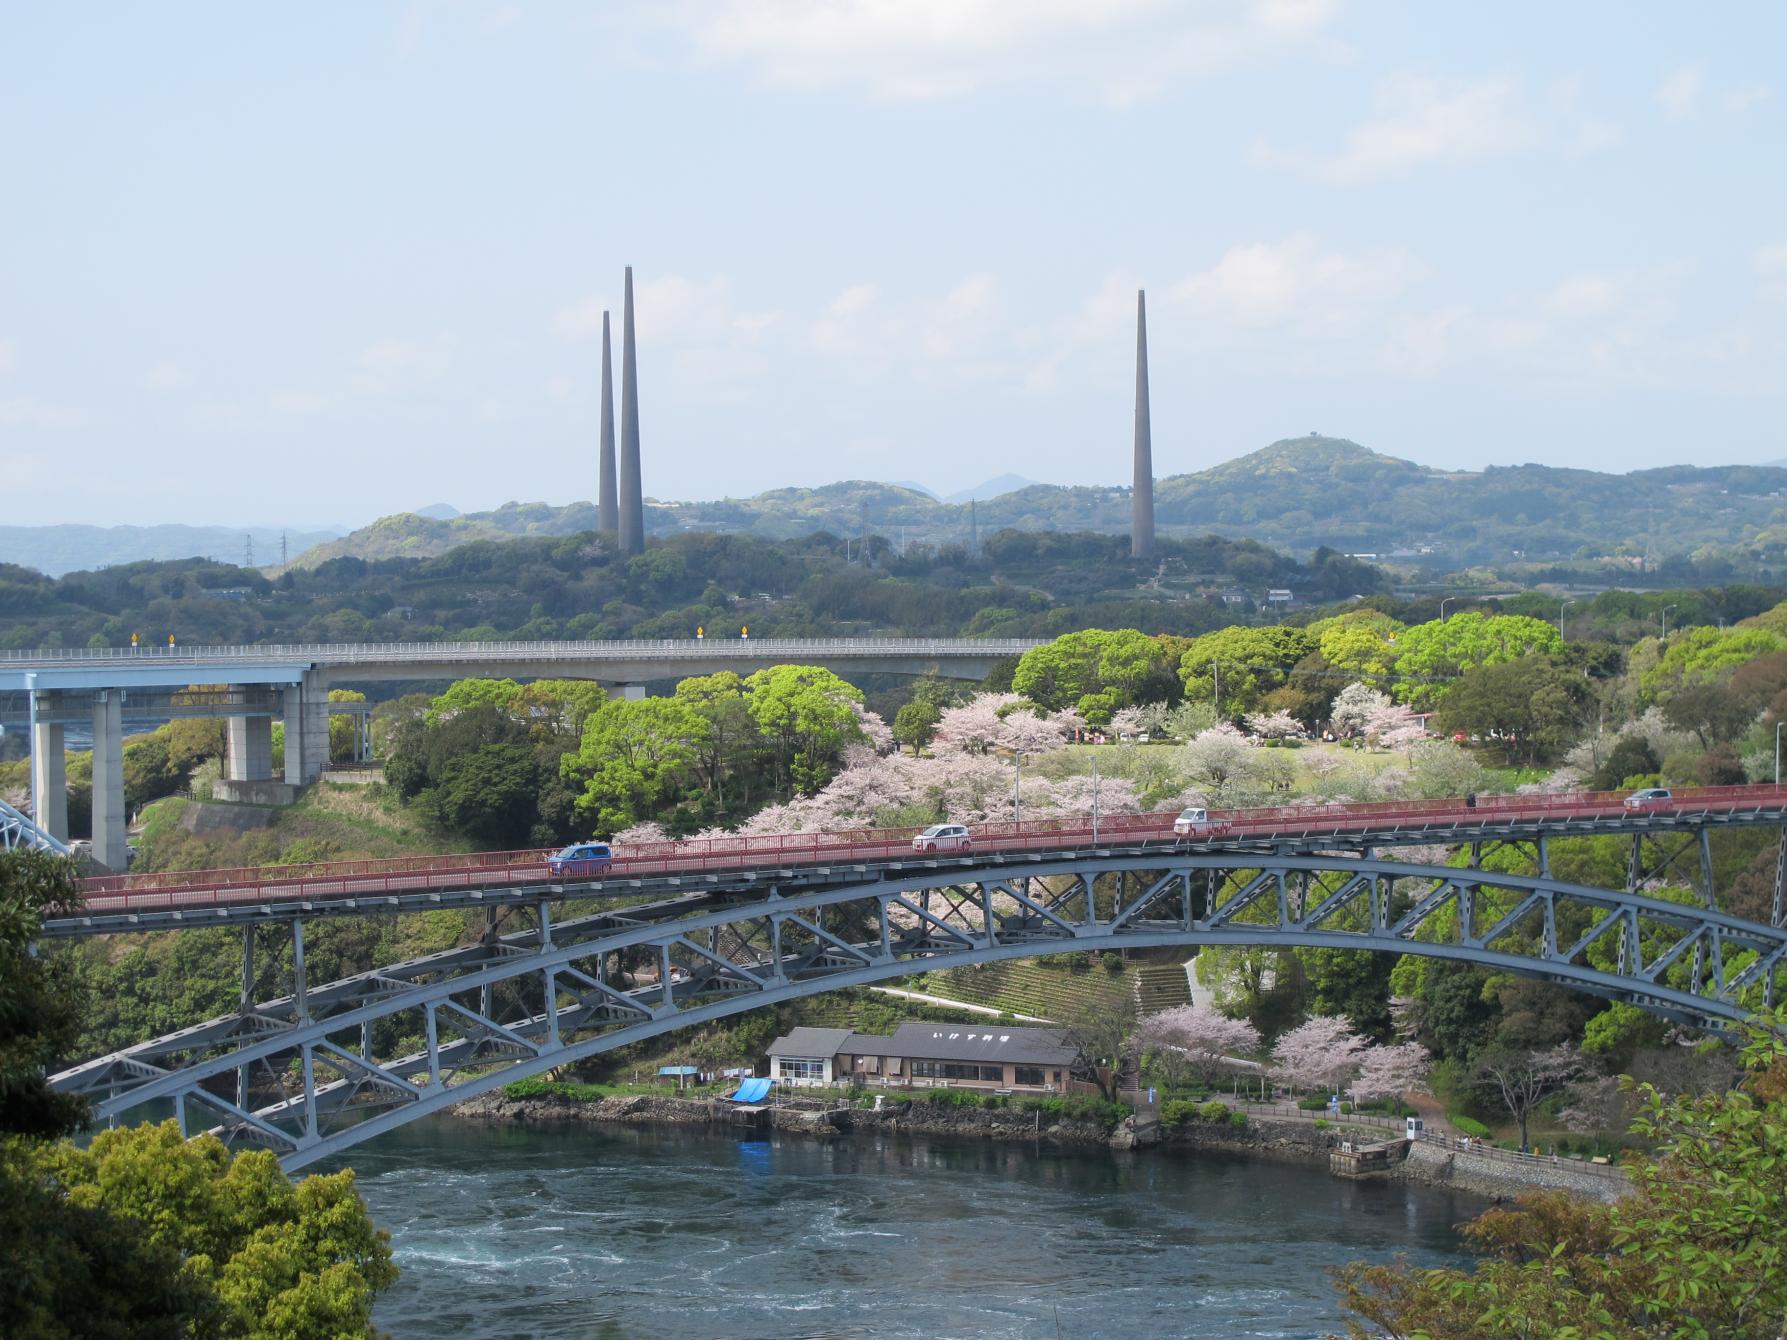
{"type": "Point", "coordinates": [708, 861]}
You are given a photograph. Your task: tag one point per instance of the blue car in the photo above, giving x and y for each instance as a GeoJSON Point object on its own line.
{"type": "Point", "coordinates": [581, 860]}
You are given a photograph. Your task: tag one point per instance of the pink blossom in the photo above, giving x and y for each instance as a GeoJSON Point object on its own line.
{"type": "Point", "coordinates": [1209, 1040]}
{"type": "Point", "coordinates": [1320, 1054]}
{"type": "Point", "coordinates": [1387, 1072]}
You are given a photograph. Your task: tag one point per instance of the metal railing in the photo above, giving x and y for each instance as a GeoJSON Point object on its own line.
{"type": "Point", "coordinates": [1392, 821]}
{"type": "Point", "coordinates": [692, 649]}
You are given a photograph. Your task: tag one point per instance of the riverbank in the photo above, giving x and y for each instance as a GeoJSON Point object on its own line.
{"type": "Point", "coordinates": [1280, 1141]}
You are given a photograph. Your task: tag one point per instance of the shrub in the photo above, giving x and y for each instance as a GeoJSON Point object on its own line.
{"type": "Point", "coordinates": [1176, 1113]}
{"type": "Point", "coordinates": [1237, 1118]}
{"type": "Point", "coordinates": [1312, 1104]}
{"type": "Point", "coordinates": [1213, 1111]}
{"type": "Point", "coordinates": [1321, 1123]}
{"type": "Point", "coordinates": [537, 1087]}
{"type": "Point", "coordinates": [1468, 1125]}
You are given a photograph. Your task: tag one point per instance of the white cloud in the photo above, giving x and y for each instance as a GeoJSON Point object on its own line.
{"type": "Point", "coordinates": [1295, 282]}
{"type": "Point", "coordinates": [1582, 295]}
{"type": "Point", "coordinates": [1745, 96]}
{"type": "Point", "coordinates": [960, 327]}
{"type": "Point", "coordinates": [1421, 121]}
{"type": "Point", "coordinates": [1771, 267]}
{"type": "Point", "coordinates": [394, 363]}
{"type": "Point", "coordinates": [24, 412]}
{"type": "Point", "coordinates": [1679, 93]}
{"type": "Point", "coordinates": [672, 310]}
{"type": "Point", "coordinates": [167, 376]}
{"type": "Point", "coordinates": [297, 404]}
{"type": "Point", "coordinates": [911, 49]}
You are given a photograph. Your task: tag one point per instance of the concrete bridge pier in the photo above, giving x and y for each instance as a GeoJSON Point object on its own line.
{"type": "Point", "coordinates": [631, 692]}
{"type": "Point", "coordinates": [110, 845]}
{"type": "Point", "coordinates": [49, 779]}
{"type": "Point", "coordinates": [248, 765]}
{"type": "Point", "coordinates": [306, 708]}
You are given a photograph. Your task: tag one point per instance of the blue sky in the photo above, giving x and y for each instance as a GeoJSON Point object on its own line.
{"type": "Point", "coordinates": [323, 262]}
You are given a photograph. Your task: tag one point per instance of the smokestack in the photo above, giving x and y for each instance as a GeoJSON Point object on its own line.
{"type": "Point", "coordinates": [607, 507]}
{"type": "Point", "coordinates": [632, 497]}
{"type": "Point", "coordinates": [1141, 498]}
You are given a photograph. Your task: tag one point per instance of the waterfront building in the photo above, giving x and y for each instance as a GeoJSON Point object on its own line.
{"type": "Point", "coordinates": [922, 1055]}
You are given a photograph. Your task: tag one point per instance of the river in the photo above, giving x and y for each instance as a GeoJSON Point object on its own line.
{"type": "Point", "coordinates": [671, 1231]}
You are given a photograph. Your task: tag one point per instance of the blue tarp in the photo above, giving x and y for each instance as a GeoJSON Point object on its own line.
{"type": "Point", "coordinates": [750, 1091]}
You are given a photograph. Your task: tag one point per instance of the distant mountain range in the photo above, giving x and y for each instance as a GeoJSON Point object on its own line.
{"type": "Point", "coordinates": [73, 548]}
{"type": "Point", "coordinates": [1296, 495]}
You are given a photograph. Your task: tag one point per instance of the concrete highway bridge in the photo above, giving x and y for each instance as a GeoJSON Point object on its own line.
{"type": "Point", "coordinates": [110, 689]}
{"type": "Point", "coordinates": [680, 933]}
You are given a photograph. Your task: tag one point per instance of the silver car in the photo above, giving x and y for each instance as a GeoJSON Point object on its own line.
{"type": "Point", "coordinates": [943, 837]}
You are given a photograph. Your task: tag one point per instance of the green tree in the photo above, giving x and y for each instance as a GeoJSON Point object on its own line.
{"type": "Point", "coordinates": [730, 756]}
{"type": "Point", "coordinates": [1129, 664]}
{"type": "Point", "coordinates": [40, 995]}
{"type": "Point", "coordinates": [466, 693]}
{"type": "Point", "coordinates": [1631, 756]}
{"type": "Point", "coordinates": [808, 715]}
{"type": "Point", "coordinates": [1246, 662]}
{"type": "Point", "coordinates": [1430, 655]}
{"type": "Point", "coordinates": [1705, 653]}
{"type": "Point", "coordinates": [1694, 1251]}
{"type": "Point", "coordinates": [1530, 708]}
{"type": "Point", "coordinates": [634, 760]}
{"type": "Point", "coordinates": [915, 723]}
{"type": "Point", "coordinates": [491, 795]}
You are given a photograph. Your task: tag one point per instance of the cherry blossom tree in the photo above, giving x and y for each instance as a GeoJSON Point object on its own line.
{"type": "Point", "coordinates": [876, 731]}
{"type": "Point", "coordinates": [1220, 762]}
{"type": "Point", "coordinates": [1353, 708]}
{"type": "Point", "coordinates": [638, 834]}
{"type": "Point", "coordinates": [1273, 725]}
{"type": "Point", "coordinates": [975, 726]}
{"type": "Point", "coordinates": [1126, 721]}
{"type": "Point", "coordinates": [1206, 1041]}
{"type": "Point", "coordinates": [1320, 1054]}
{"type": "Point", "coordinates": [1389, 1072]}
{"type": "Point", "coordinates": [1394, 727]}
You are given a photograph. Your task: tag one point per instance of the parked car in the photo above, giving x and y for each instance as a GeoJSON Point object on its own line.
{"type": "Point", "coordinates": [1650, 798]}
{"type": "Point", "coordinates": [943, 837]}
{"type": "Point", "coordinates": [581, 860]}
{"type": "Point", "coordinates": [1197, 823]}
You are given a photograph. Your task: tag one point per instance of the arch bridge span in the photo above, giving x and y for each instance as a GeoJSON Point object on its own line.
{"type": "Point", "coordinates": [319, 1069]}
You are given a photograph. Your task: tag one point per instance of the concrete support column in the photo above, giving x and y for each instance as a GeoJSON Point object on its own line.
{"type": "Point", "coordinates": [306, 712]}
{"type": "Point", "coordinates": [631, 692]}
{"type": "Point", "coordinates": [49, 780]}
{"type": "Point", "coordinates": [250, 749]}
{"type": "Point", "coordinates": [110, 848]}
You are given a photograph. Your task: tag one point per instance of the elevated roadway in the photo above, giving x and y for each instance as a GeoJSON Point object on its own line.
{"type": "Point", "coordinates": [252, 686]}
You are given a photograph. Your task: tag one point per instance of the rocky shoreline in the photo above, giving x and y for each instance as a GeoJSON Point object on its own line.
{"type": "Point", "coordinates": [1280, 1141]}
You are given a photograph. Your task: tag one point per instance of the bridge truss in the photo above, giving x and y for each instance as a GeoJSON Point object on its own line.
{"type": "Point", "coordinates": [17, 830]}
{"type": "Point", "coordinates": [320, 1069]}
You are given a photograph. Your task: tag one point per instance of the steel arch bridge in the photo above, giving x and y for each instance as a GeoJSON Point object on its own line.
{"type": "Point", "coordinates": [320, 1069]}
{"type": "Point", "coordinates": [18, 831]}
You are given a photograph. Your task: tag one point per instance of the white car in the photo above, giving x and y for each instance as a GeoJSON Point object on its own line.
{"type": "Point", "coordinates": [1650, 798]}
{"type": "Point", "coordinates": [943, 837]}
{"type": "Point", "coordinates": [1197, 823]}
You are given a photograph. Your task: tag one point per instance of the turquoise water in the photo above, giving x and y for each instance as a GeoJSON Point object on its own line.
{"type": "Point", "coordinates": [664, 1231]}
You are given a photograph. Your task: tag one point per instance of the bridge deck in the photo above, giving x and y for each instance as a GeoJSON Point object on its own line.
{"type": "Point", "coordinates": [216, 897]}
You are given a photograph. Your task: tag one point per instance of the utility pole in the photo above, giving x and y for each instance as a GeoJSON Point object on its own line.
{"type": "Point", "coordinates": [282, 558]}
{"type": "Point", "coordinates": [248, 541]}
{"type": "Point", "coordinates": [1216, 684]}
{"type": "Point", "coordinates": [1017, 791]}
{"type": "Point", "coordinates": [1095, 798]}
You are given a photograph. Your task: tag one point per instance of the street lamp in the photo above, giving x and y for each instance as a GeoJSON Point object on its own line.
{"type": "Point", "coordinates": [1666, 610]}
{"type": "Point", "coordinates": [1447, 601]}
{"type": "Point", "coordinates": [1095, 800]}
{"type": "Point", "coordinates": [1017, 788]}
{"type": "Point", "coordinates": [1561, 605]}
{"type": "Point", "coordinates": [1778, 726]}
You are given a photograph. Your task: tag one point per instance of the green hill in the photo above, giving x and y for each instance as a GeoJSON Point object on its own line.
{"type": "Point", "coordinates": [1297, 495]}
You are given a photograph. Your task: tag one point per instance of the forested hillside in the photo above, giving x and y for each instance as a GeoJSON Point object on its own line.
{"type": "Point", "coordinates": [1018, 583]}
{"type": "Point", "coordinates": [1297, 495]}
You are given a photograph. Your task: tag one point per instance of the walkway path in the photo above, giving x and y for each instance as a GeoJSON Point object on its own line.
{"type": "Point", "coordinates": [953, 1004]}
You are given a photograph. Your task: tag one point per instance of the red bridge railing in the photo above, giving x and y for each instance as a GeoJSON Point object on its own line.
{"type": "Point", "coordinates": [166, 890]}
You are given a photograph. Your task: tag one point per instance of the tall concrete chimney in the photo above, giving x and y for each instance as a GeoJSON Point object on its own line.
{"type": "Point", "coordinates": [607, 506]}
{"type": "Point", "coordinates": [1141, 498]}
{"type": "Point", "coordinates": [632, 496]}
